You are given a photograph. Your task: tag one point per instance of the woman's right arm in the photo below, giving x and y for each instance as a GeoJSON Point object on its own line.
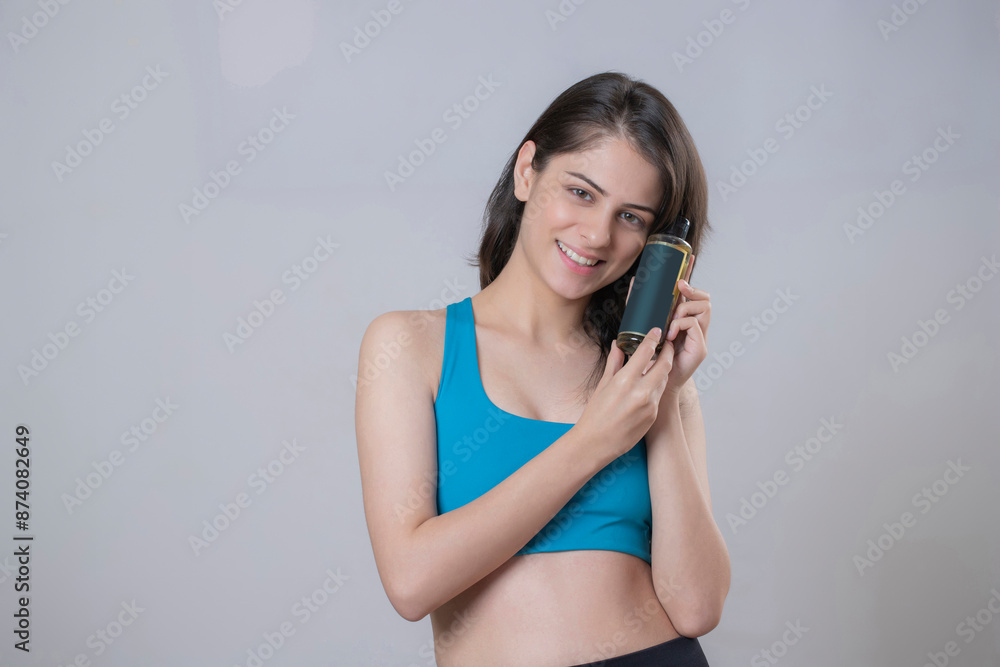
{"type": "Point", "coordinates": [425, 559]}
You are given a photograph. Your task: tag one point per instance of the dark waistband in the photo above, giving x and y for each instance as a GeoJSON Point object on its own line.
{"type": "Point", "coordinates": [677, 652]}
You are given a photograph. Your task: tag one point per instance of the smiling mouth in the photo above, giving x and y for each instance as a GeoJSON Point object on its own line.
{"type": "Point", "coordinates": [577, 258]}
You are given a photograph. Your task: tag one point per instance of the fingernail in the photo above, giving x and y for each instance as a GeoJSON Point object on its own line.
{"type": "Point", "coordinates": [655, 333]}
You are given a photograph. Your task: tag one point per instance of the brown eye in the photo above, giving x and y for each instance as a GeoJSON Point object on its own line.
{"type": "Point", "coordinates": [634, 218]}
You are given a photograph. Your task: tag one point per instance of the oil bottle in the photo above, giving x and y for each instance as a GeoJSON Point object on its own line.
{"type": "Point", "coordinates": [665, 259]}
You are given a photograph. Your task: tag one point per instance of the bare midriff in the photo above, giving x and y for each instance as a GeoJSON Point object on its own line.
{"type": "Point", "coordinates": [553, 610]}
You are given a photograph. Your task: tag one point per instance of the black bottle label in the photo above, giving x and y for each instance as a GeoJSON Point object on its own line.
{"type": "Point", "coordinates": [655, 288]}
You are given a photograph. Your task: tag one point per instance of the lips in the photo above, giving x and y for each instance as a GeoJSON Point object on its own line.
{"type": "Point", "coordinates": [577, 257]}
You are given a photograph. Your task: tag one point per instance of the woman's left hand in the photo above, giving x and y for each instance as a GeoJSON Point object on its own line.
{"type": "Point", "coordinates": [686, 336]}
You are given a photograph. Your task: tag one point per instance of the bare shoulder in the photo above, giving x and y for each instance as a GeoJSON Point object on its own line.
{"type": "Point", "coordinates": [413, 338]}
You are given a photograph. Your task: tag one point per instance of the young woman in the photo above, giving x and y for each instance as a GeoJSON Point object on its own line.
{"type": "Point", "coordinates": [543, 499]}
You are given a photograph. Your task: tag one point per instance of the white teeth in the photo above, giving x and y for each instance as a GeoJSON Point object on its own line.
{"type": "Point", "coordinates": [576, 258]}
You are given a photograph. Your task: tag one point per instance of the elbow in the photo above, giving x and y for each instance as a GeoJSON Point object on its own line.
{"type": "Point", "coordinates": [407, 599]}
{"type": "Point", "coordinates": [699, 617]}
{"type": "Point", "coordinates": [407, 606]}
{"type": "Point", "coordinates": [406, 582]}
{"type": "Point", "coordinates": [695, 624]}
{"type": "Point", "coordinates": [703, 613]}
{"type": "Point", "coordinates": [408, 610]}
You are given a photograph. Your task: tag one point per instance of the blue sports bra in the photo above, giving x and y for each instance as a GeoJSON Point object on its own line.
{"type": "Point", "coordinates": [479, 445]}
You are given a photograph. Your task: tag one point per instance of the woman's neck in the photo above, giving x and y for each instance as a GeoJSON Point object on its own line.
{"type": "Point", "coordinates": [530, 308]}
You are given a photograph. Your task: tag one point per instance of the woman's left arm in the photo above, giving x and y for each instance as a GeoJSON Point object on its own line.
{"type": "Point", "coordinates": [690, 561]}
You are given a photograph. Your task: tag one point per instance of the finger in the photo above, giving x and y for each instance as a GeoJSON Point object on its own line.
{"type": "Point", "coordinates": [663, 362]}
{"type": "Point", "coordinates": [689, 325]}
{"type": "Point", "coordinates": [614, 361]}
{"type": "Point", "coordinates": [692, 293]}
{"type": "Point", "coordinates": [640, 359]}
{"type": "Point", "coordinates": [690, 308]}
{"type": "Point", "coordinates": [701, 309]}
{"type": "Point", "coordinates": [678, 325]}
{"type": "Point", "coordinates": [690, 269]}
{"type": "Point", "coordinates": [680, 332]}
{"type": "Point", "coordinates": [631, 280]}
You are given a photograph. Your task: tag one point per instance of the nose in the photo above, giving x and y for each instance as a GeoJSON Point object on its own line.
{"type": "Point", "coordinates": [596, 229]}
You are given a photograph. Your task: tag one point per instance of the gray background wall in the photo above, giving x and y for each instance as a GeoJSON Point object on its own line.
{"type": "Point", "coordinates": [799, 555]}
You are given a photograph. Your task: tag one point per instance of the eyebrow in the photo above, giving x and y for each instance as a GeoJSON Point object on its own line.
{"type": "Point", "coordinates": [605, 194]}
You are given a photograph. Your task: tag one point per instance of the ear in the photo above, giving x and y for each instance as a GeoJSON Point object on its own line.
{"type": "Point", "coordinates": [523, 173]}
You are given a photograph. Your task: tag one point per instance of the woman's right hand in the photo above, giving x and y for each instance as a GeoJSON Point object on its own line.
{"type": "Point", "coordinates": [624, 405]}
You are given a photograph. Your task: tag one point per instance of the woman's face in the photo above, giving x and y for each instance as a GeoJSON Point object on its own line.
{"type": "Point", "coordinates": [593, 205]}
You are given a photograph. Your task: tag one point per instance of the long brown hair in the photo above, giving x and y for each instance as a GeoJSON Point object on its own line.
{"type": "Point", "coordinates": [609, 105]}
